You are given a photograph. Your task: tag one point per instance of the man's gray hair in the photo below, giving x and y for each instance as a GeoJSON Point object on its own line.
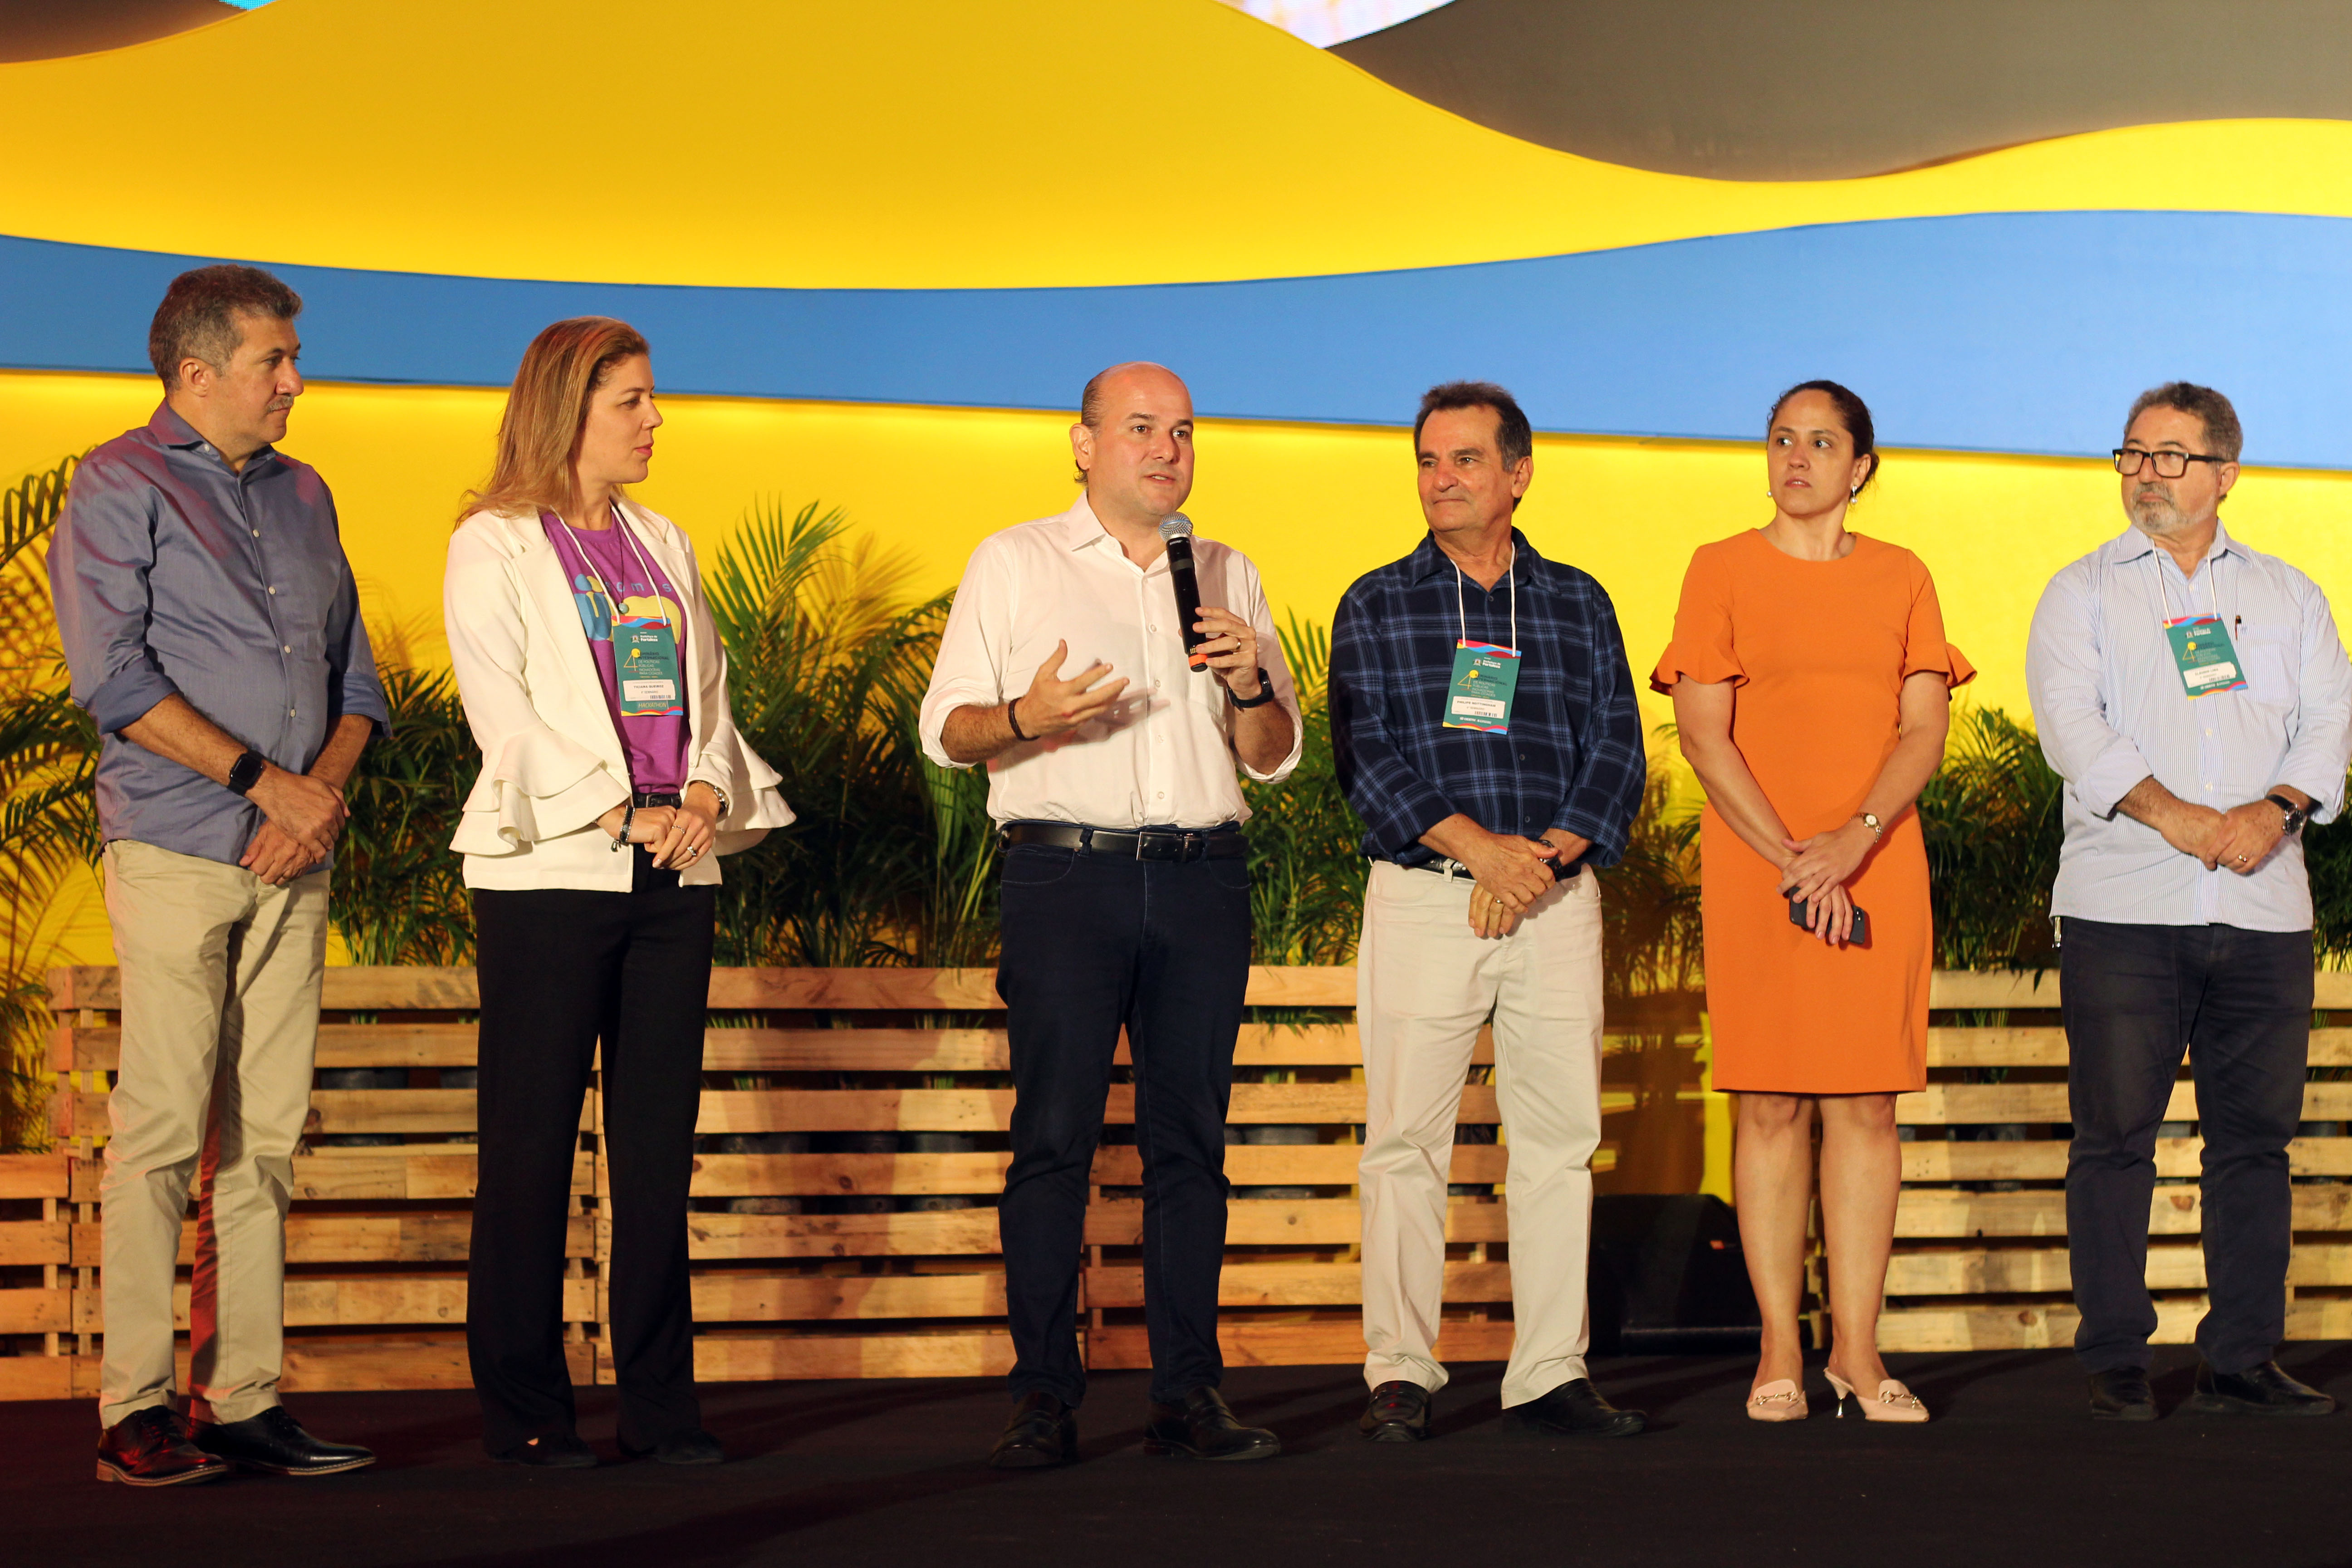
{"type": "Point", "coordinates": [197, 319]}
{"type": "Point", "coordinates": [2224, 437]}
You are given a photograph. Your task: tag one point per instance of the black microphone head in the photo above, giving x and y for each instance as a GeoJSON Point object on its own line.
{"type": "Point", "coordinates": [1175, 525]}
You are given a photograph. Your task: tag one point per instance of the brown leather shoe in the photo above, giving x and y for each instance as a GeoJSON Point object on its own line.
{"type": "Point", "coordinates": [150, 1447]}
{"type": "Point", "coordinates": [1042, 1432]}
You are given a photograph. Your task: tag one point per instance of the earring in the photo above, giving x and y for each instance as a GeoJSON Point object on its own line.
{"type": "Point", "coordinates": [1768, 492]}
{"type": "Point", "coordinates": [1854, 494]}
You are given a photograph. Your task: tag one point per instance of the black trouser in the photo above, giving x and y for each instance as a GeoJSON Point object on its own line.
{"type": "Point", "coordinates": [1092, 942]}
{"type": "Point", "coordinates": [561, 968]}
{"type": "Point", "coordinates": [2240, 1001]}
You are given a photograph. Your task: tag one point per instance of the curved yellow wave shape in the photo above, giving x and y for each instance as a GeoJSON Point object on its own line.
{"type": "Point", "coordinates": [914, 144]}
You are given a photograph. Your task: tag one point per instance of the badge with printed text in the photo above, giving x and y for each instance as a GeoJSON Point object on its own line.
{"type": "Point", "coordinates": [1484, 677]}
{"type": "Point", "coordinates": [644, 667]}
{"type": "Point", "coordinates": [2207, 659]}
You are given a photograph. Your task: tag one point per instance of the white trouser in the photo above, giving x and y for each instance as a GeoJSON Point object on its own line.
{"type": "Point", "coordinates": [1424, 984]}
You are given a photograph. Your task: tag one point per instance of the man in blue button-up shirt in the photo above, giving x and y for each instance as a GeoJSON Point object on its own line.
{"type": "Point", "coordinates": [2194, 697]}
{"type": "Point", "coordinates": [1485, 810]}
{"type": "Point", "coordinates": [213, 633]}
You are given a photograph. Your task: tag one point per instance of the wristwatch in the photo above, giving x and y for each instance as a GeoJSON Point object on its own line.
{"type": "Point", "coordinates": [246, 770]}
{"type": "Point", "coordinates": [1264, 692]}
{"type": "Point", "coordinates": [2296, 816]}
{"type": "Point", "coordinates": [1877, 829]}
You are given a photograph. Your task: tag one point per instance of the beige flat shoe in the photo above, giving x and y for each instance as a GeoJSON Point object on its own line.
{"type": "Point", "coordinates": [1781, 1401]}
{"type": "Point", "coordinates": [1895, 1402]}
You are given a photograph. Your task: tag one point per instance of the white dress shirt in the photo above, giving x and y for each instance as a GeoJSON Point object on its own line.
{"type": "Point", "coordinates": [2112, 710]}
{"type": "Point", "coordinates": [1163, 754]}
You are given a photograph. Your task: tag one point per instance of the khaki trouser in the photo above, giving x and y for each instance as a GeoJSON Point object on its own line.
{"type": "Point", "coordinates": [1424, 984]}
{"type": "Point", "coordinates": [220, 1022]}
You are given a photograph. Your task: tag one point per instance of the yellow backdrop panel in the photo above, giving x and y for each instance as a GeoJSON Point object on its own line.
{"type": "Point", "coordinates": [1314, 505]}
{"type": "Point", "coordinates": [907, 144]}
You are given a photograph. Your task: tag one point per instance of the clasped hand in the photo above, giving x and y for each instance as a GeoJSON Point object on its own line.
{"type": "Point", "coordinates": [2239, 840]}
{"type": "Point", "coordinates": [1817, 872]}
{"type": "Point", "coordinates": [679, 836]}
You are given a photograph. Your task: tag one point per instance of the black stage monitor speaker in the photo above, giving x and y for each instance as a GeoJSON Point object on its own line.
{"type": "Point", "coordinates": [1668, 1276]}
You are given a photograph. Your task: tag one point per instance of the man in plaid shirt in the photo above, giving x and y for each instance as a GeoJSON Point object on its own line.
{"type": "Point", "coordinates": [1485, 723]}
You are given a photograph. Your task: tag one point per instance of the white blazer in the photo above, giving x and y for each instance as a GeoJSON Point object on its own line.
{"type": "Point", "coordinates": [552, 759]}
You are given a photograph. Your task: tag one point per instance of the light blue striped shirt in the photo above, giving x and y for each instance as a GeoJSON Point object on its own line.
{"type": "Point", "coordinates": [2111, 710]}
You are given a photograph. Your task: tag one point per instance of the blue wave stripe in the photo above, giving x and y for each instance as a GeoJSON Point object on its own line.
{"type": "Point", "coordinates": [2019, 332]}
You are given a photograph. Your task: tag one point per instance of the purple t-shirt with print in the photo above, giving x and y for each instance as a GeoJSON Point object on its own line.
{"type": "Point", "coordinates": [655, 743]}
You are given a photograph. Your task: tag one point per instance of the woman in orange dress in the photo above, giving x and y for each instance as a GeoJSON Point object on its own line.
{"type": "Point", "coordinates": [1811, 686]}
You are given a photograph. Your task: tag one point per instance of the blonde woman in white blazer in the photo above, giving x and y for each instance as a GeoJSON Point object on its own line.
{"type": "Point", "coordinates": [612, 780]}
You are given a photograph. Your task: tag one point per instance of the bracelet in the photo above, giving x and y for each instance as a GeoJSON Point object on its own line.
{"type": "Point", "coordinates": [725, 805]}
{"type": "Point", "coordinates": [628, 816]}
{"type": "Point", "coordinates": [1870, 820]}
{"type": "Point", "coordinates": [1013, 723]}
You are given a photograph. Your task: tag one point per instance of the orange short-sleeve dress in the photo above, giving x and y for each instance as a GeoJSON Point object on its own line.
{"type": "Point", "coordinates": [1817, 652]}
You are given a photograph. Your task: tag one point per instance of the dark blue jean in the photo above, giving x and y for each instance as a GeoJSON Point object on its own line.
{"type": "Point", "coordinates": [2240, 1003]}
{"type": "Point", "coordinates": [1090, 944]}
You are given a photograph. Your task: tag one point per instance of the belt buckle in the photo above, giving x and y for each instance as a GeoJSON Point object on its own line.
{"type": "Point", "coordinates": [1175, 847]}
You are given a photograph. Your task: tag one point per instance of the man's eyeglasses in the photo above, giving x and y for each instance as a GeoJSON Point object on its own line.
{"type": "Point", "coordinates": [2168, 465]}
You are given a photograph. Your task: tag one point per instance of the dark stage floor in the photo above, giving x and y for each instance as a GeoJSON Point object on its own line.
{"type": "Point", "coordinates": [889, 1474]}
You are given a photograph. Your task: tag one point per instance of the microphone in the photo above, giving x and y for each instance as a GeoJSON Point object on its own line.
{"type": "Point", "coordinates": [1176, 529]}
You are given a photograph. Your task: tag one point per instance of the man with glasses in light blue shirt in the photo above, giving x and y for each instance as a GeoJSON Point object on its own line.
{"type": "Point", "coordinates": [2194, 697]}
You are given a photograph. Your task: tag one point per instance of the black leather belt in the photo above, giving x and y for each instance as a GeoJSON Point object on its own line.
{"type": "Point", "coordinates": [1444, 866]}
{"type": "Point", "coordinates": [644, 798]}
{"type": "Point", "coordinates": [1177, 843]}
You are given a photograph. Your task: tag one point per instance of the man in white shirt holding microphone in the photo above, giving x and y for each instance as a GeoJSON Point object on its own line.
{"type": "Point", "coordinates": [1126, 894]}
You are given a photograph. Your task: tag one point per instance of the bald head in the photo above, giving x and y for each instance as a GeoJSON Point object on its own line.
{"type": "Point", "coordinates": [1133, 443]}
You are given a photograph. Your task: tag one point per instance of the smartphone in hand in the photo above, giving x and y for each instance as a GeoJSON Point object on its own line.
{"type": "Point", "coordinates": [1861, 937]}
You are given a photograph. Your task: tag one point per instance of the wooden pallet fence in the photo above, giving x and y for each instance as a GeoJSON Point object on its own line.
{"type": "Point", "coordinates": [851, 1147]}
{"type": "Point", "coordinates": [1980, 1251]}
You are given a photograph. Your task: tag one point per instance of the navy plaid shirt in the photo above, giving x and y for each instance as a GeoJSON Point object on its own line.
{"type": "Point", "coordinates": [1573, 757]}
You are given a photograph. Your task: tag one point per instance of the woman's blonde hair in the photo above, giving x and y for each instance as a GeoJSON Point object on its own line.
{"type": "Point", "coordinates": [539, 435]}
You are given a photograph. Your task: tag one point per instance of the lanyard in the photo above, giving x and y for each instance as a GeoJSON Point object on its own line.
{"type": "Point", "coordinates": [2213, 578]}
{"type": "Point", "coordinates": [1464, 616]}
{"type": "Point", "coordinates": [629, 545]}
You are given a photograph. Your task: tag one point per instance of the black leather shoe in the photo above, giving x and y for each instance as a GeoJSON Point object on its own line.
{"type": "Point", "coordinates": [692, 1447]}
{"type": "Point", "coordinates": [2122, 1395]}
{"type": "Point", "coordinates": [1200, 1426]}
{"type": "Point", "coordinates": [1042, 1432]}
{"type": "Point", "coordinates": [2261, 1390]}
{"type": "Point", "coordinates": [1399, 1413]}
{"type": "Point", "coordinates": [150, 1448]}
{"type": "Point", "coordinates": [552, 1451]}
{"type": "Point", "coordinates": [1575, 1409]}
{"type": "Point", "coordinates": [274, 1441]}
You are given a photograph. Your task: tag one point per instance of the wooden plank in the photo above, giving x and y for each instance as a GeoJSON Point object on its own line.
{"type": "Point", "coordinates": [312, 1238]}
{"type": "Point", "coordinates": [368, 1176]}
{"type": "Point", "coordinates": [2044, 1159]}
{"type": "Point", "coordinates": [38, 1309]}
{"type": "Point", "coordinates": [748, 1111]}
{"type": "Point", "coordinates": [732, 1297]}
{"type": "Point", "coordinates": [2320, 1318]}
{"type": "Point", "coordinates": [1993, 988]}
{"type": "Point", "coordinates": [2034, 1048]}
{"type": "Point", "coordinates": [1944, 1104]}
{"type": "Point", "coordinates": [961, 1353]}
{"type": "Point", "coordinates": [1300, 1164]}
{"type": "Point", "coordinates": [1297, 1284]}
{"type": "Point", "coordinates": [1339, 1343]}
{"type": "Point", "coordinates": [27, 1242]}
{"type": "Point", "coordinates": [2331, 1048]}
{"type": "Point", "coordinates": [339, 1113]}
{"type": "Point", "coordinates": [313, 1302]}
{"type": "Point", "coordinates": [315, 1367]}
{"type": "Point", "coordinates": [36, 1175]}
{"type": "Point", "coordinates": [1925, 1212]}
{"type": "Point", "coordinates": [2037, 1326]}
{"type": "Point", "coordinates": [944, 1233]}
{"type": "Point", "coordinates": [1301, 1222]}
{"type": "Point", "coordinates": [2019, 1270]}
{"type": "Point", "coordinates": [100, 1049]}
{"type": "Point", "coordinates": [986, 1050]}
{"type": "Point", "coordinates": [2331, 988]}
{"type": "Point", "coordinates": [1305, 986]}
{"type": "Point", "coordinates": [39, 1376]}
{"type": "Point", "coordinates": [847, 1175]}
